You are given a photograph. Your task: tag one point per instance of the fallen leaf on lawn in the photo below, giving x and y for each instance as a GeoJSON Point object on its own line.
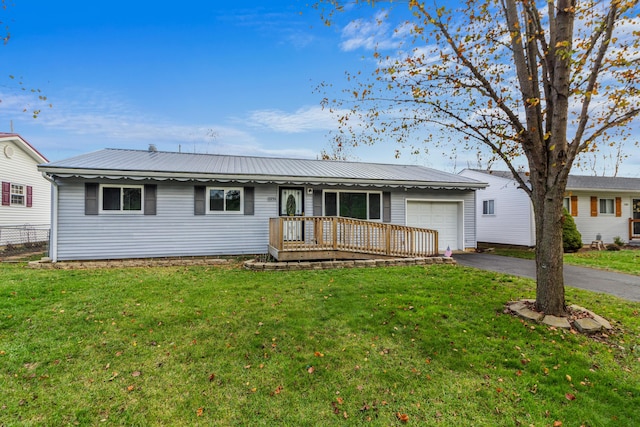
{"type": "Point", "coordinates": [278, 390]}
{"type": "Point", "coordinates": [402, 417]}
{"type": "Point", "coordinates": [568, 377]}
{"type": "Point", "coordinates": [570, 396]}
{"type": "Point", "coordinates": [200, 412]}
{"type": "Point", "coordinates": [340, 400]}
{"type": "Point", "coordinates": [212, 377]}
{"type": "Point", "coordinates": [131, 388]}
{"type": "Point", "coordinates": [136, 373]}
{"type": "Point", "coordinates": [311, 370]}
{"type": "Point", "coordinates": [557, 423]}
{"type": "Point", "coordinates": [318, 354]}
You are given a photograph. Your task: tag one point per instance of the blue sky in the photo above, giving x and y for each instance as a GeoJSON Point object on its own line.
{"type": "Point", "coordinates": [197, 76]}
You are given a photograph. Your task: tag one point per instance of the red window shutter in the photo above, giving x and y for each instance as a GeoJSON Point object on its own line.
{"type": "Point", "coordinates": [574, 205]}
{"type": "Point", "coordinates": [618, 206]}
{"type": "Point", "coordinates": [29, 196]}
{"type": "Point", "coordinates": [6, 193]}
{"type": "Point", "coordinates": [594, 206]}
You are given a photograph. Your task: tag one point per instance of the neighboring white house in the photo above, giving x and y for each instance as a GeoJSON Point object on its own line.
{"type": "Point", "coordinates": [25, 211]}
{"type": "Point", "coordinates": [132, 203]}
{"type": "Point", "coordinates": [606, 207]}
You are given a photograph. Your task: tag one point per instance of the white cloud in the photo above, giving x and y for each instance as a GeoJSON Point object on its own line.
{"type": "Point", "coordinates": [306, 119]}
{"type": "Point", "coordinates": [372, 33]}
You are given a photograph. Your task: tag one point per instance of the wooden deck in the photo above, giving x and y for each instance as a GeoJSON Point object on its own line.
{"type": "Point", "coordinates": [298, 238]}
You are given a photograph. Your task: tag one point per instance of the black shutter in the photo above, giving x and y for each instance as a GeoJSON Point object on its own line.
{"type": "Point", "coordinates": [386, 206]}
{"type": "Point", "coordinates": [91, 198]}
{"type": "Point", "coordinates": [150, 196]}
{"type": "Point", "coordinates": [249, 200]}
{"type": "Point", "coordinates": [200, 196]}
{"type": "Point", "coordinates": [317, 203]}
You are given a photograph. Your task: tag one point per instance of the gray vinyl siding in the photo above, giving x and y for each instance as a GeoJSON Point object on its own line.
{"type": "Point", "coordinates": [173, 231]}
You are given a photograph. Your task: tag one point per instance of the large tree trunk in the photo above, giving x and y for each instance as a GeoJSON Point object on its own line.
{"type": "Point", "coordinates": [549, 252]}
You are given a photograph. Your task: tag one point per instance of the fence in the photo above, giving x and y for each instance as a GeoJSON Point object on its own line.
{"type": "Point", "coordinates": [18, 239]}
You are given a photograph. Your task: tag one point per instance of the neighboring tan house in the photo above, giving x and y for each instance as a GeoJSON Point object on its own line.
{"type": "Point", "coordinates": [25, 210]}
{"type": "Point", "coordinates": [117, 203]}
{"type": "Point", "coordinates": [606, 207]}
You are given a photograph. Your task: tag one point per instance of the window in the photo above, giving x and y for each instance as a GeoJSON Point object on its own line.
{"type": "Point", "coordinates": [115, 198]}
{"type": "Point", "coordinates": [566, 203]}
{"type": "Point", "coordinates": [607, 206]}
{"type": "Point", "coordinates": [488, 207]}
{"type": "Point", "coordinates": [225, 200]}
{"type": "Point", "coordinates": [17, 195]}
{"type": "Point", "coordinates": [359, 205]}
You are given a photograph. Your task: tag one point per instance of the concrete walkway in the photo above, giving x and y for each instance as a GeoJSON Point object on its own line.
{"type": "Point", "coordinates": [621, 285]}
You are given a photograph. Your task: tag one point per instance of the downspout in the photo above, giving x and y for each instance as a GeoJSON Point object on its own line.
{"type": "Point", "coordinates": [53, 237]}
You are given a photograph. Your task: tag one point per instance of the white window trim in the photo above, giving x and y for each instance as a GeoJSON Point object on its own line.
{"type": "Point", "coordinates": [225, 189]}
{"type": "Point", "coordinates": [494, 207]}
{"type": "Point", "coordinates": [23, 195]}
{"type": "Point", "coordinates": [121, 211]}
{"type": "Point", "coordinates": [613, 207]}
{"type": "Point", "coordinates": [324, 211]}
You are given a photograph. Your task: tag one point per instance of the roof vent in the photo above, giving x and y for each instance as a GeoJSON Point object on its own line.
{"type": "Point", "coordinates": [153, 148]}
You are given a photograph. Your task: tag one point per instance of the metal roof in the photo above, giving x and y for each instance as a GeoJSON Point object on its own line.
{"type": "Point", "coordinates": [141, 164]}
{"type": "Point", "coordinates": [584, 182]}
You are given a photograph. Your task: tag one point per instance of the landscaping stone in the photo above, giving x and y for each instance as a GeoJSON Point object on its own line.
{"type": "Point", "coordinates": [587, 325]}
{"type": "Point", "coordinates": [601, 320]}
{"type": "Point", "coordinates": [517, 305]}
{"type": "Point", "coordinates": [527, 313]}
{"type": "Point", "coordinates": [555, 321]}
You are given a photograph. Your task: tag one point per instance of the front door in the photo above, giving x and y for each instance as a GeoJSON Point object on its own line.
{"type": "Point", "coordinates": [292, 205]}
{"type": "Point", "coordinates": [636, 215]}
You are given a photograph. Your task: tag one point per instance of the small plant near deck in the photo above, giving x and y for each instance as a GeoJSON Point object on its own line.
{"type": "Point", "coordinates": [618, 241]}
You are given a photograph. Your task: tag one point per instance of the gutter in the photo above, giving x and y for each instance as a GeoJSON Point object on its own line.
{"type": "Point", "coordinates": [260, 179]}
{"type": "Point", "coordinates": [53, 237]}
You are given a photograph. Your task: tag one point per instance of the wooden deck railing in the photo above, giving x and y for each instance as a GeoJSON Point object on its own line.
{"type": "Point", "coordinates": [330, 235]}
{"type": "Point", "coordinates": [634, 229]}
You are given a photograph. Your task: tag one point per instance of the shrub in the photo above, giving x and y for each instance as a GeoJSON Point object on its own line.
{"type": "Point", "coordinates": [618, 241]}
{"type": "Point", "coordinates": [571, 237]}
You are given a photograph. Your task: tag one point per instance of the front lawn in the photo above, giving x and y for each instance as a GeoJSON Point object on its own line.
{"type": "Point", "coordinates": [224, 346]}
{"type": "Point", "coordinates": [623, 261]}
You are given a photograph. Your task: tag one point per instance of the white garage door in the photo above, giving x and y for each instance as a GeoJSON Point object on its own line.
{"type": "Point", "coordinates": [440, 216]}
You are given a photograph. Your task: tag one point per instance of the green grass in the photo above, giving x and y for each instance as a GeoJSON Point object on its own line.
{"type": "Point", "coordinates": [623, 261]}
{"type": "Point", "coordinates": [225, 346]}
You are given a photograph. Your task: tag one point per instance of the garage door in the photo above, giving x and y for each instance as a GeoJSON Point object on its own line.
{"type": "Point", "coordinates": [440, 216]}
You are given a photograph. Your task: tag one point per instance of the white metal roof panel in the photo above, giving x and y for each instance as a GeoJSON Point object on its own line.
{"type": "Point", "coordinates": [170, 165]}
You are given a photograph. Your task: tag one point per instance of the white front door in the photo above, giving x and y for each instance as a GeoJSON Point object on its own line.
{"type": "Point", "coordinates": [292, 205]}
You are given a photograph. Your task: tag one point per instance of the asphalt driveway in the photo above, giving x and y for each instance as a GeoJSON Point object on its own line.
{"type": "Point", "coordinates": [622, 285]}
